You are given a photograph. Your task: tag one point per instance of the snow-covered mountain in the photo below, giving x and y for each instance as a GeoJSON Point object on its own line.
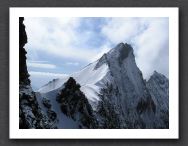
{"type": "Point", "coordinates": [116, 91]}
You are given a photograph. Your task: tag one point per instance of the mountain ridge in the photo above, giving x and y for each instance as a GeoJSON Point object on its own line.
{"type": "Point", "coordinates": [115, 79]}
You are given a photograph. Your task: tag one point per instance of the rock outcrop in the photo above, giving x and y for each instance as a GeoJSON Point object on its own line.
{"type": "Point", "coordinates": [75, 105]}
{"type": "Point", "coordinates": [23, 76]}
{"type": "Point", "coordinates": [30, 114]}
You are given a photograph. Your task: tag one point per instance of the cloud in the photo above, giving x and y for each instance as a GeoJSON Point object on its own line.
{"type": "Point", "coordinates": [35, 73]}
{"type": "Point", "coordinates": [87, 39]}
{"type": "Point", "coordinates": [41, 65]}
{"type": "Point", "coordinates": [103, 49]}
{"type": "Point", "coordinates": [149, 38]}
{"type": "Point", "coordinates": [37, 61]}
{"type": "Point", "coordinates": [60, 37]}
{"type": "Point", "coordinates": [153, 48]}
{"type": "Point", "coordinates": [38, 79]}
{"type": "Point", "coordinates": [123, 29]}
{"type": "Point", "coordinates": [72, 63]}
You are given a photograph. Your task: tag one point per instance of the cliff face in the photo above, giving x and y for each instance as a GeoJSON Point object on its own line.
{"type": "Point", "coordinates": [30, 114]}
{"type": "Point", "coordinates": [24, 76]}
{"type": "Point", "coordinates": [126, 90]}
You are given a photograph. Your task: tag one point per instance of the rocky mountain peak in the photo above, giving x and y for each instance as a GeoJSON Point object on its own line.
{"type": "Point", "coordinates": [121, 52]}
{"type": "Point", "coordinates": [159, 79]}
{"type": "Point", "coordinates": [155, 73]}
{"type": "Point", "coordinates": [158, 87]}
{"type": "Point", "coordinates": [118, 53]}
{"type": "Point", "coordinates": [112, 91]}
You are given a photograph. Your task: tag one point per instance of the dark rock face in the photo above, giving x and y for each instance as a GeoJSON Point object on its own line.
{"type": "Point", "coordinates": [143, 105]}
{"type": "Point", "coordinates": [74, 104]}
{"type": "Point", "coordinates": [23, 73]}
{"type": "Point", "coordinates": [132, 100]}
{"type": "Point", "coordinates": [30, 114]}
{"type": "Point", "coordinates": [124, 52]}
{"type": "Point", "coordinates": [46, 103]}
{"type": "Point", "coordinates": [52, 115]}
{"type": "Point", "coordinates": [108, 112]}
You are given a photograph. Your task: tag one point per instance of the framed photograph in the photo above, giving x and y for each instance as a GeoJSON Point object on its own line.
{"type": "Point", "coordinates": [94, 73]}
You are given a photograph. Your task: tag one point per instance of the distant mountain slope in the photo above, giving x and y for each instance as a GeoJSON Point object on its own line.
{"type": "Point", "coordinates": [117, 92]}
{"type": "Point", "coordinates": [158, 86]}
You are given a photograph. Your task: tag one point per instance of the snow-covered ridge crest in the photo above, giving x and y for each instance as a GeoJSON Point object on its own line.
{"type": "Point", "coordinates": [87, 78]}
{"type": "Point", "coordinates": [93, 73]}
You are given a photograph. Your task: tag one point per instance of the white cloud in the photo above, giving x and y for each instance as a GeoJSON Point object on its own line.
{"type": "Point", "coordinates": [123, 29]}
{"type": "Point", "coordinates": [149, 37]}
{"type": "Point", "coordinates": [103, 49]}
{"type": "Point", "coordinates": [58, 36]}
{"type": "Point", "coordinates": [41, 65]}
{"type": "Point", "coordinates": [153, 48]}
{"type": "Point", "coordinates": [37, 61]}
{"type": "Point", "coordinates": [38, 79]}
{"type": "Point", "coordinates": [35, 73]}
{"type": "Point", "coordinates": [72, 63]}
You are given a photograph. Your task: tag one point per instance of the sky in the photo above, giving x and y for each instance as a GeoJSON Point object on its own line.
{"type": "Point", "coordinates": [60, 46]}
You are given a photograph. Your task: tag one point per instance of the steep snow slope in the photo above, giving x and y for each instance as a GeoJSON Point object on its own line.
{"type": "Point", "coordinates": [69, 107]}
{"type": "Point", "coordinates": [54, 84]}
{"type": "Point", "coordinates": [62, 121]}
{"type": "Point", "coordinates": [88, 78]}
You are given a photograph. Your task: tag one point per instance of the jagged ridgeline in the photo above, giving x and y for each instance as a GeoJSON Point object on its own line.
{"type": "Point", "coordinates": [110, 93]}
{"type": "Point", "coordinates": [30, 114]}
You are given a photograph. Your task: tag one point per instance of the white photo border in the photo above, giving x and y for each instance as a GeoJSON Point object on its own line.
{"type": "Point", "coordinates": [171, 133]}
